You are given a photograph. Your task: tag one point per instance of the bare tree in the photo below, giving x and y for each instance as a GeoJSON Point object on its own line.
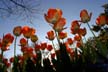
{"type": "Point", "coordinates": [25, 9]}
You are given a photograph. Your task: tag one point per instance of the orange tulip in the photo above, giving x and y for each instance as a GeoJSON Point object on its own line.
{"type": "Point", "coordinates": [17, 31]}
{"type": "Point", "coordinates": [59, 25]}
{"type": "Point", "coordinates": [50, 35]}
{"type": "Point", "coordinates": [27, 31]}
{"type": "Point", "coordinates": [62, 35]}
{"type": "Point", "coordinates": [78, 44]}
{"type": "Point", "coordinates": [82, 32]}
{"type": "Point", "coordinates": [53, 15]}
{"type": "Point", "coordinates": [85, 17]}
{"type": "Point", "coordinates": [23, 42]}
{"type": "Point", "coordinates": [70, 41]}
{"type": "Point", "coordinates": [68, 49]}
{"type": "Point", "coordinates": [72, 54]}
{"type": "Point", "coordinates": [34, 38]}
{"type": "Point", "coordinates": [7, 40]}
{"type": "Point", "coordinates": [101, 20]}
{"type": "Point", "coordinates": [75, 27]}
{"type": "Point", "coordinates": [77, 37]}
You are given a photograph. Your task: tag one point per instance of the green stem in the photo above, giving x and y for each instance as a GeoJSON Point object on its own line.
{"type": "Point", "coordinates": [27, 42]}
{"type": "Point", "coordinates": [2, 55]}
{"type": "Point", "coordinates": [91, 30]}
{"type": "Point", "coordinates": [24, 66]}
{"type": "Point", "coordinates": [2, 51]}
{"type": "Point", "coordinates": [53, 45]}
{"type": "Point", "coordinates": [15, 47]}
{"type": "Point", "coordinates": [1, 62]}
{"type": "Point", "coordinates": [56, 33]}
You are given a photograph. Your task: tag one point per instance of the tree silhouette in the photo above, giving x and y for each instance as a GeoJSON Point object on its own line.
{"type": "Point", "coordinates": [24, 9]}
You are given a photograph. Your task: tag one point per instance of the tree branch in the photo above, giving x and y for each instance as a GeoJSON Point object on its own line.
{"type": "Point", "coordinates": [18, 4]}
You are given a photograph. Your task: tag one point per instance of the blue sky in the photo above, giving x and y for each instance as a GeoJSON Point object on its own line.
{"type": "Point", "coordinates": [71, 11]}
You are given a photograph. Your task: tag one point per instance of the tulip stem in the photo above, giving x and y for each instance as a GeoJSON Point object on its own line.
{"type": "Point", "coordinates": [2, 55]}
{"type": "Point", "coordinates": [53, 45]}
{"type": "Point", "coordinates": [15, 47]}
{"type": "Point", "coordinates": [56, 33]}
{"type": "Point", "coordinates": [91, 30]}
{"type": "Point", "coordinates": [14, 63]}
{"type": "Point", "coordinates": [27, 42]}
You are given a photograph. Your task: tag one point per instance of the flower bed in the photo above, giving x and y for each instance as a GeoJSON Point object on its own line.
{"type": "Point", "coordinates": [68, 53]}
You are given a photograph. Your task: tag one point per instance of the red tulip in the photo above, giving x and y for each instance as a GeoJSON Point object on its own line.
{"type": "Point", "coordinates": [70, 41]}
{"type": "Point", "coordinates": [50, 35]}
{"type": "Point", "coordinates": [23, 42]}
{"type": "Point", "coordinates": [82, 32]}
{"type": "Point", "coordinates": [62, 35]}
{"type": "Point", "coordinates": [75, 27]}
{"type": "Point", "coordinates": [12, 59]}
{"type": "Point", "coordinates": [43, 45]}
{"type": "Point", "coordinates": [53, 55]}
{"type": "Point", "coordinates": [37, 47]}
{"type": "Point", "coordinates": [49, 47]}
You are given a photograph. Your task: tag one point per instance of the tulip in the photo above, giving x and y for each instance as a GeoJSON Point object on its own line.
{"type": "Point", "coordinates": [11, 59]}
{"type": "Point", "coordinates": [27, 31]}
{"type": "Point", "coordinates": [85, 17]}
{"type": "Point", "coordinates": [50, 35]}
{"type": "Point", "coordinates": [53, 55]}
{"type": "Point", "coordinates": [37, 47]}
{"type": "Point", "coordinates": [43, 45]}
{"type": "Point", "coordinates": [62, 35]}
{"type": "Point", "coordinates": [59, 26]}
{"type": "Point", "coordinates": [75, 27]}
{"type": "Point", "coordinates": [53, 15]}
{"type": "Point", "coordinates": [7, 39]}
{"type": "Point", "coordinates": [101, 20]}
{"type": "Point", "coordinates": [70, 41]}
{"type": "Point", "coordinates": [78, 44]}
{"type": "Point", "coordinates": [23, 42]}
{"type": "Point", "coordinates": [34, 38]}
{"type": "Point", "coordinates": [49, 47]}
{"type": "Point", "coordinates": [82, 32]}
{"type": "Point", "coordinates": [77, 37]}
{"type": "Point", "coordinates": [17, 31]}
